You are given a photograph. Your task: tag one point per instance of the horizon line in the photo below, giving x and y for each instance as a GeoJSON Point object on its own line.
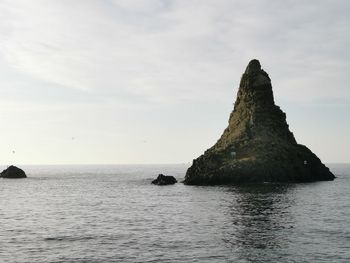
{"type": "Point", "coordinates": [77, 164]}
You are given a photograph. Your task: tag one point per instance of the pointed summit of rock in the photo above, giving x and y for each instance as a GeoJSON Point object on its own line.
{"type": "Point", "coordinates": [253, 67]}
{"type": "Point", "coordinates": [257, 145]}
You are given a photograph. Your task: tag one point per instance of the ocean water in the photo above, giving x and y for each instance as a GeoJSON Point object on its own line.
{"type": "Point", "coordinates": [114, 214]}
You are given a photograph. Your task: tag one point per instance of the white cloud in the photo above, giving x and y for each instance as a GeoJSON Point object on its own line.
{"type": "Point", "coordinates": [169, 49]}
{"type": "Point", "coordinates": [135, 58]}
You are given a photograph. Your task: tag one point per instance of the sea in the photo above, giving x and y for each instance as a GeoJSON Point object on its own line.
{"type": "Point", "coordinates": [112, 213]}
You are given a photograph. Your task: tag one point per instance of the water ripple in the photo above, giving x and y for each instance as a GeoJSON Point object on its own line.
{"type": "Point", "coordinates": [114, 214]}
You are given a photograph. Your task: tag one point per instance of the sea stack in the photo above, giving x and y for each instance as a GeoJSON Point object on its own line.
{"type": "Point", "coordinates": [257, 146]}
{"type": "Point", "coordinates": [13, 172]}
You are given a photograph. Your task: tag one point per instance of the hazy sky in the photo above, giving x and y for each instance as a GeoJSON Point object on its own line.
{"type": "Point", "coordinates": [154, 81]}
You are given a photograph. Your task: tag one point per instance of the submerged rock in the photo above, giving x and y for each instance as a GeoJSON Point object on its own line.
{"type": "Point", "coordinates": [13, 172]}
{"type": "Point", "coordinates": [164, 180]}
{"type": "Point", "coordinates": [257, 145]}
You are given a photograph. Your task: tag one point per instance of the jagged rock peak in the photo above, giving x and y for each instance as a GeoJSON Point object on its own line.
{"type": "Point", "coordinates": [253, 67]}
{"type": "Point", "coordinates": [257, 145]}
{"type": "Point", "coordinates": [255, 87]}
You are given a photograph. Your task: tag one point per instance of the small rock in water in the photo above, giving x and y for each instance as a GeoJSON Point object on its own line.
{"type": "Point", "coordinates": [13, 172]}
{"type": "Point", "coordinates": [164, 180]}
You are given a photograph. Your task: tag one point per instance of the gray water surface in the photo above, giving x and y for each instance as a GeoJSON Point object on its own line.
{"type": "Point", "coordinates": [114, 214]}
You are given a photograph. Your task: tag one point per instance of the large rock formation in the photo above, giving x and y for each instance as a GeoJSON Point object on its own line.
{"type": "Point", "coordinates": [257, 145]}
{"type": "Point", "coordinates": [13, 172]}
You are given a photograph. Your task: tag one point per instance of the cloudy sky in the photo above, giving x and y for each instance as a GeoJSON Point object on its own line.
{"type": "Point", "coordinates": [154, 81]}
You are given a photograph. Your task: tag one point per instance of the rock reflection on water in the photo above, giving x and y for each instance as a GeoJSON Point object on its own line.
{"type": "Point", "coordinates": [260, 219]}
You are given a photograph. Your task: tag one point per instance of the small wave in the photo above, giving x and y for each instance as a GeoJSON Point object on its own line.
{"type": "Point", "coordinates": [69, 238]}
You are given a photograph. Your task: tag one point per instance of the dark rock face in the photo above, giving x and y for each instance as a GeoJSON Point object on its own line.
{"type": "Point", "coordinates": [257, 145]}
{"type": "Point", "coordinates": [164, 180]}
{"type": "Point", "coordinates": [13, 172]}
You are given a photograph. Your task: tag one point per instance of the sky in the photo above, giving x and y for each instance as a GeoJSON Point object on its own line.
{"type": "Point", "coordinates": [154, 81]}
